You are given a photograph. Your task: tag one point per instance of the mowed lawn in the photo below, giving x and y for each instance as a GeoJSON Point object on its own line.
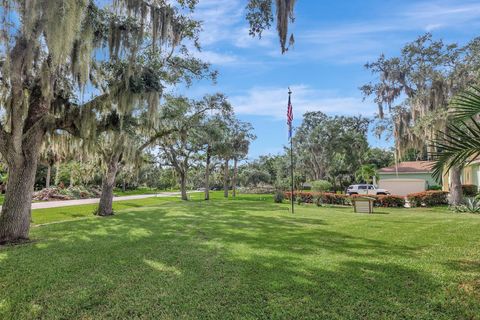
{"type": "Point", "coordinates": [244, 259]}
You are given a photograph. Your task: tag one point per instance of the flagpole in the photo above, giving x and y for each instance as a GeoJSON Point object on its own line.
{"type": "Point", "coordinates": [291, 159]}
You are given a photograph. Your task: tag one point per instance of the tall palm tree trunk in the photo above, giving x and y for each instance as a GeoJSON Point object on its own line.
{"type": "Point", "coordinates": [207, 174]}
{"type": "Point", "coordinates": [234, 178]}
{"type": "Point", "coordinates": [225, 179]}
{"type": "Point", "coordinates": [456, 192]}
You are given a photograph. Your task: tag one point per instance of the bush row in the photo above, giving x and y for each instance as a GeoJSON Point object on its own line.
{"type": "Point", "coordinates": [389, 201]}
{"type": "Point", "coordinates": [428, 198]}
{"type": "Point", "coordinates": [323, 197]}
{"type": "Point", "coordinates": [342, 199]}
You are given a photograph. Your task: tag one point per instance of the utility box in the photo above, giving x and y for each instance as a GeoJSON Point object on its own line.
{"type": "Point", "coordinates": [363, 204]}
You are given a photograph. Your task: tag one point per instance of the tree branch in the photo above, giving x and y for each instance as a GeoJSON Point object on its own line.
{"type": "Point", "coordinates": [155, 137]}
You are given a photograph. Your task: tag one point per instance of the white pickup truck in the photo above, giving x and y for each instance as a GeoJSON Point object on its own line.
{"type": "Point", "coordinates": [365, 189]}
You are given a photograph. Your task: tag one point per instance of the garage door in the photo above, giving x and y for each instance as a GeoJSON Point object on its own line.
{"type": "Point", "coordinates": [402, 187]}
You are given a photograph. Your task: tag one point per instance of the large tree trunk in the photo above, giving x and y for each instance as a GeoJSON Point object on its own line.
{"type": "Point", "coordinates": [16, 209]}
{"type": "Point", "coordinates": [456, 193]}
{"type": "Point", "coordinates": [207, 174]}
{"type": "Point", "coordinates": [49, 176]}
{"type": "Point", "coordinates": [105, 207]}
{"type": "Point", "coordinates": [225, 179]}
{"type": "Point", "coordinates": [183, 186]}
{"type": "Point", "coordinates": [234, 178]}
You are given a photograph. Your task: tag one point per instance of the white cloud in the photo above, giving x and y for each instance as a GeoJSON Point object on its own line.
{"type": "Point", "coordinates": [450, 13]}
{"type": "Point", "coordinates": [272, 102]}
{"type": "Point", "coordinates": [355, 42]}
{"type": "Point", "coordinates": [433, 26]}
{"type": "Point", "coordinates": [425, 16]}
{"type": "Point", "coordinates": [363, 40]}
{"type": "Point", "coordinates": [218, 18]}
{"type": "Point", "coordinates": [242, 39]}
{"type": "Point", "coordinates": [224, 21]}
{"type": "Point", "coordinates": [216, 58]}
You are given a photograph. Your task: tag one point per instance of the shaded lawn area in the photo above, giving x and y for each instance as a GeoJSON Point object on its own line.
{"type": "Point", "coordinates": [247, 258]}
{"type": "Point", "coordinates": [45, 216]}
{"type": "Point", "coordinates": [138, 191]}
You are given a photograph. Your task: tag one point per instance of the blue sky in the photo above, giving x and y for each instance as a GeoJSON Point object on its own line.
{"type": "Point", "coordinates": [334, 39]}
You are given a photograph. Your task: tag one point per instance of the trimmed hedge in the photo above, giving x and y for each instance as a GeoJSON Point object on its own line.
{"type": "Point", "coordinates": [342, 199]}
{"type": "Point", "coordinates": [469, 190]}
{"type": "Point", "coordinates": [389, 201]}
{"type": "Point", "coordinates": [386, 201]}
{"type": "Point", "coordinates": [428, 198]}
{"type": "Point", "coordinates": [318, 197]}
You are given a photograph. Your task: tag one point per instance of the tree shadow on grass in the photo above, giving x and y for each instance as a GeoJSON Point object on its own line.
{"type": "Point", "coordinates": [214, 261]}
{"type": "Point", "coordinates": [464, 265]}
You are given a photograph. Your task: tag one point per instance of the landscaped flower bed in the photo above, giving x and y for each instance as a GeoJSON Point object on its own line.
{"type": "Point", "coordinates": [57, 193]}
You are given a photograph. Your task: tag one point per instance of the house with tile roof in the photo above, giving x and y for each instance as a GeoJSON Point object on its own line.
{"type": "Point", "coordinates": [407, 177]}
{"type": "Point", "coordinates": [410, 170]}
{"type": "Point", "coordinates": [416, 176]}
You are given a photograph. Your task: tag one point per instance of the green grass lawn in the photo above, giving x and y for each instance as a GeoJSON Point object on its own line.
{"type": "Point", "coordinates": [120, 192]}
{"type": "Point", "coordinates": [247, 258]}
{"type": "Point", "coordinates": [45, 216]}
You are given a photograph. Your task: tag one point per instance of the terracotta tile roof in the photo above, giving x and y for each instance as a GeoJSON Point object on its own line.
{"type": "Point", "coordinates": [409, 167]}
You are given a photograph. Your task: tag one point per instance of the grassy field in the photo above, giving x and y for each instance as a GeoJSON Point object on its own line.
{"type": "Point", "coordinates": [247, 258]}
{"type": "Point", "coordinates": [45, 216]}
{"type": "Point", "coordinates": [120, 192]}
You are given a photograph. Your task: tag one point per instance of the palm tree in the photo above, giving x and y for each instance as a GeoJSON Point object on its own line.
{"type": "Point", "coordinates": [460, 143]}
{"type": "Point", "coordinates": [366, 173]}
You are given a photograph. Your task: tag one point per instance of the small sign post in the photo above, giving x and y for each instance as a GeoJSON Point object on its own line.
{"type": "Point", "coordinates": [363, 204]}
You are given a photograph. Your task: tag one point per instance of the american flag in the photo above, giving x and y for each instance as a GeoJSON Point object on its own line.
{"type": "Point", "coordinates": [289, 117]}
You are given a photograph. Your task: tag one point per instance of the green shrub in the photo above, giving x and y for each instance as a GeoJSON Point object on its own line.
{"type": "Point", "coordinates": [322, 198]}
{"type": "Point", "coordinates": [471, 205]}
{"type": "Point", "coordinates": [329, 198]}
{"type": "Point", "coordinates": [321, 186]}
{"type": "Point", "coordinates": [314, 197]}
{"type": "Point", "coordinates": [469, 190]}
{"type": "Point", "coordinates": [389, 201]}
{"type": "Point", "coordinates": [259, 190]}
{"type": "Point", "coordinates": [428, 198]}
{"type": "Point", "coordinates": [279, 196]}
{"type": "Point", "coordinates": [434, 188]}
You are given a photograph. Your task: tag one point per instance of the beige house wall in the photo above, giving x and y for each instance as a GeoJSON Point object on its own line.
{"type": "Point", "coordinates": [402, 187]}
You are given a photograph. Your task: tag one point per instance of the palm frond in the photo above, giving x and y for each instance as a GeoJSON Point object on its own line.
{"type": "Point", "coordinates": [460, 146]}
{"type": "Point", "coordinates": [466, 104]}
